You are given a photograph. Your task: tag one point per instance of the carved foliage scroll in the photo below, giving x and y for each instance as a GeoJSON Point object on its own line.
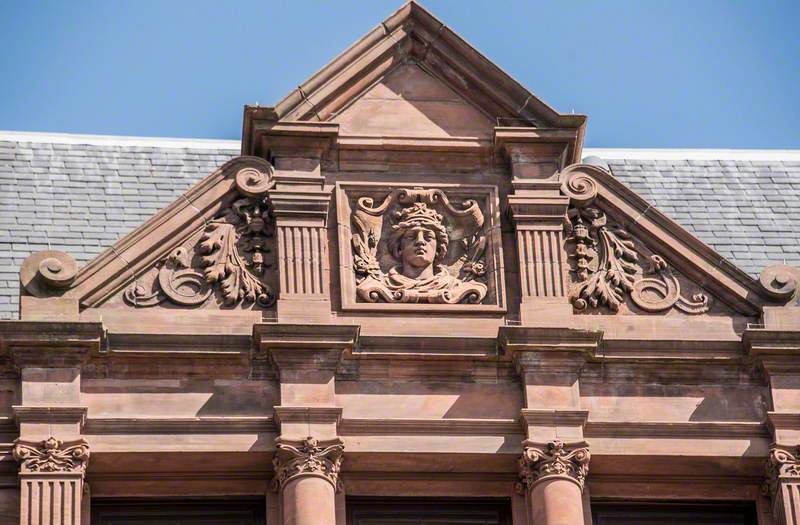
{"type": "Point", "coordinates": [229, 257]}
{"type": "Point", "coordinates": [51, 455]}
{"type": "Point", "coordinates": [308, 457]}
{"type": "Point", "coordinates": [609, 266]}
{"type": "Point", "coordinates": [433, 250]}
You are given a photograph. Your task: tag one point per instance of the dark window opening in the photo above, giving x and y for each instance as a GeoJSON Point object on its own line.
{"type": "Point", "coordinates": [673, 513]}
{"type": "Point", "coordinates": [206, 511]}
{"type": "Point", "coordinates": [428, 511]}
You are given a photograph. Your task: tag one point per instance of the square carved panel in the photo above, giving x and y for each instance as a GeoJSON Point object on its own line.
{"type": "Point", "coordinates": [431, 248]}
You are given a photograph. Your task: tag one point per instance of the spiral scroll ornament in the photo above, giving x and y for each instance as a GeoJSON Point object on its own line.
{"type": "Point", "coordinates": [580, 187]}
{"type": "Point", "coordinates": [779, 281]}
{"type": "Point", "coordinates": [607, 270]}
{"type": "Point", "coordinates": [48, 273]}
{"type": "Point", "coordinates": [252, 182]}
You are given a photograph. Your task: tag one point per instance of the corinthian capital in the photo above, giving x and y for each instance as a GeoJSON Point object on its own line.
{"type": "Point", "coordinates": [554, 459]}
{"type": "Point", "coordinates": [52, 456]}
{"type": "Point", "coordinates": [308, 457]}
{"type": "Point", "coordinates": [783, 464]}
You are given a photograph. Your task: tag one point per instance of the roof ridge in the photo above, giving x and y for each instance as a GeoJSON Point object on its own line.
{"type": "Point", "coordinates": [116, 140]}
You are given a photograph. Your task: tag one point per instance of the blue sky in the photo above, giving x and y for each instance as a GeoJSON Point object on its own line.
{"type": "Point", "coordinates": [649, 73]}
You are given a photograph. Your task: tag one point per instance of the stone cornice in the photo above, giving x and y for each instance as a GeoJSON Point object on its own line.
{"type": "Point", "coordinates": [51, 456]}
{"type": "Point", "coordinates": [50, 414]}
{"type": "Point", "coordinates": [777, 351]}
{"type": "Point", "coordinates": [50, 344]}
{"type": "Point", "coordinates": [309, 457]}
{"type": "Point", "coordinates": [551, 350]}
{"type": "Point", "coordinates": [314, 348]}
{"type": "Point", "coordinates": [551, 460]}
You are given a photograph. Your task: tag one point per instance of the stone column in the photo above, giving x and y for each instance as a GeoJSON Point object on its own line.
{"type": "Point", "coordinates": [552, 475]}
{"type": "Point", "coordinates": [300, 202]}
{"type": "Point", "coordinates": [555, 458]}
{"type": "Point", "coordinates": [307, 475]}
{"type": "Point", "coordinates": [51, 451]}
{"type": "Point", "coordinates": [309, 452]}
{"type": "Point", "coordinates": [539, 212]}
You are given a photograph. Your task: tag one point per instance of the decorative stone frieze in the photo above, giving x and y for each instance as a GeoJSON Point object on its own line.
{"type": "Point", "coordinates": [309, 457]}
{"type": "Point", "coordinates": [413, 245]}
{"type": "Point", "coordinates": [230, 257]}
{"type": "Point", "coordinates": [51, 455]}
{"type": "Point", "coordinates": [606, 261]}
{"type": "Point", "coordinates": [555, 459]}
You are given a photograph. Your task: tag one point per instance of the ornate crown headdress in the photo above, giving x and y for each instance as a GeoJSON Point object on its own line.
{"type": "Point", "coordinates": [418, 214]}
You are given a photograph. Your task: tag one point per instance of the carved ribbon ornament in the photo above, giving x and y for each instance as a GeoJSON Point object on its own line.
{"type": "Point", "coordinates": [422, 230]}
{"type": "Point", "coordinates": [230, 253]}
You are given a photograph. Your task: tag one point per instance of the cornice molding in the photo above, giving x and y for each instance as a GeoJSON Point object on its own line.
{"type": "Point", "coordinates": [49, 414]}
{"type": "Point", "coordinates": [678, 430]}
{"type": "Point", "coordinates": [198, 425]}
{"type": "Point", "coordinates": [429, 427]}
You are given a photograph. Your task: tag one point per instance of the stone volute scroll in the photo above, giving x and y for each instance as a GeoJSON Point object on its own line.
{"type": "Point", "coordinates": [609, 266]}
{"type": "Point", "coordinates": [228, 260]}
{"type": "Point", "coordinates": [413, 245]}
{"type": "Point", "coordinates": [51, 455]}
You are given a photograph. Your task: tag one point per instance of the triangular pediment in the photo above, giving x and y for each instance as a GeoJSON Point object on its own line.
{"type": "Point", "coordinates": [412, 76]}
{"type": "Point", "coordinates": [411, 102]}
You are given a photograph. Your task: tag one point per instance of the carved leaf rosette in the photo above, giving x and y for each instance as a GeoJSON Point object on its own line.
{"type": "Point", "coordinates": [51, 456]}
{"type": "Point", "coordinates": [307, 458]}
{"type": "Point", "coordinates": [229, 257]}
{"type": "Point", "coordinates": [607, 264]}
{"type": "Point", "coordinates": [555, 459]}
{"type": "Point", "coordinates": [458, 273]}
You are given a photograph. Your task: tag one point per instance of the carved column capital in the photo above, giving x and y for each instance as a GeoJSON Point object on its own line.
{"type": "Point", "coordinates": [309, 457]}
{"type": "Point", "coordinates": [51, 456]}
{"type": "Point", "coordinates": [554, 459]}
{"type": "Point", "coordinates": [783, 463]}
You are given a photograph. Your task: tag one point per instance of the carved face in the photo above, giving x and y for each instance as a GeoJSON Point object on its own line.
{"type": "Point", "coordinates": [418, 247]}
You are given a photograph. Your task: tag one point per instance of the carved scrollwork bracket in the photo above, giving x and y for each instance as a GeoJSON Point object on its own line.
{"type": "Point", "coordinates": [555, 459]}
{"type": "Point", "coordinates": [308, 457]}
{"type": "Point", "coordinates": [230, 254]}
{"type": "Point", "coordinates": [51, 456]}
{"type": "Point", "coordinates": [606, 261]}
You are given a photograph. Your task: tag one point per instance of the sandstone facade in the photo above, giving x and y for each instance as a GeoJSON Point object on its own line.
{"type": "Point", "coordinates": [407, 287]}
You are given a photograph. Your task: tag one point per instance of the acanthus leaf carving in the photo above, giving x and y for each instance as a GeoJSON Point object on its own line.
{"type": "Point", "coordinates": [308, 457]}
{"type": "Point", "coordinates": [607, 270]}
{"type": "Point", "coordinates": [231, 253]}
{"type": "Point", "coordinates": [418, 240]}
{"type": "Point", "coordinates": [554, 459]}
{"type": "Point", "coordinates": [51, 455]}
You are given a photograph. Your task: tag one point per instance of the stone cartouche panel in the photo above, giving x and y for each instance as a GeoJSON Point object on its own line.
{"type": "Point", "coordinates": [405, 247]}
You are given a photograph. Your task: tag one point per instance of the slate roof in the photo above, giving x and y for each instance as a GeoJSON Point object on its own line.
{"type": "Point", "coordinates": [81, 194]}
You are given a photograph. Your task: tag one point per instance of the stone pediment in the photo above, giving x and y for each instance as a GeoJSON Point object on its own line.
{"type": "Point", "coordinates": [412, 76]}
{"type": "Point", "coordinates": [411, 102]}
